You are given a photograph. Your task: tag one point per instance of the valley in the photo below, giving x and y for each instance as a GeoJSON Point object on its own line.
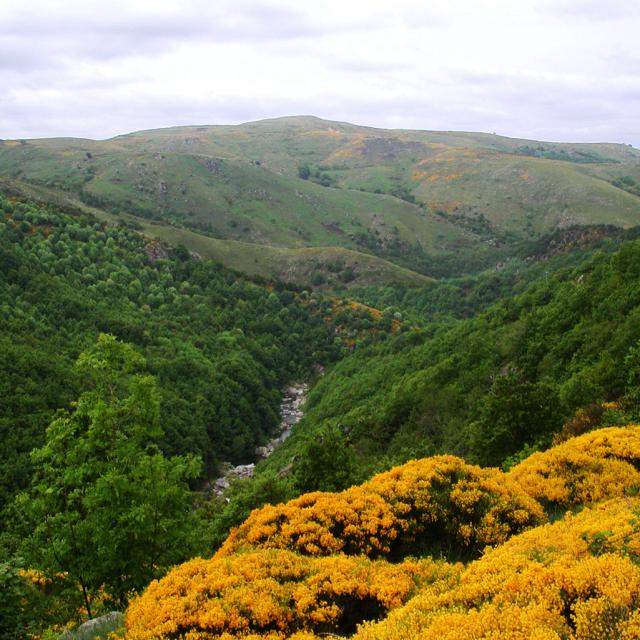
{"type": "Point", "coordinates": [463, 310]}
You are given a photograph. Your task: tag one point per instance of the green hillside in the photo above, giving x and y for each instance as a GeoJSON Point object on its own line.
{"type": "Point", "coordinates": [306, 182]}
{"type": "Point", "coordinates": [317, 267]}
{"type": "Point", "coordinates": [228, 197]}
{"type": "Point", "coordinates": [487, 386]}
{"type": "Point", "coordinates": [209, 335]}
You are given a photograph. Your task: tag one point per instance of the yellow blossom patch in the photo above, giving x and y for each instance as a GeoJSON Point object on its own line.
{"type": "Point", "coordinates": [275, 592]}
{"type": "Point", "coordinates": [439, 503]}
{"type": "Point", "coordinates": [549, 582]}
{"type": "Point", "coordinates": [596, 466]}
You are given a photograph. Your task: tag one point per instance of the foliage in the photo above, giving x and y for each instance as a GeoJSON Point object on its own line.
{"type": "Point", "coordinates": [275, 591]}
{"type": "Point", "coordinates": [583, 420]}
{"type": "Point", "coordinates": [21, 605]}
{"type": "Point", "coordinates": [304, 171]}
{"type": "Point", "coordinates": [219, 347]}
{"type": "Point", "coordinates": [438, 505]}
{"type": "Point", "coordinates": [218, 515]}
{"type": "Point", "coordinates": [487, 386]}
{"type": "Point", "coordinates": [595, 466]}
{"type": "Point", "coordinates": [514, 413]}
{"type": "Point", "coordinates": [544, 583]}
{"type": "Point", "coordinates": [576, 579]}
{"type": "Point", "coordinates": [107, 509]}
{"type": "Point", "coordinates": [326, 462]}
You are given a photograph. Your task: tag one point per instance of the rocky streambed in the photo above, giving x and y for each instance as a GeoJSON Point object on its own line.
{"type": "Point", "coordinates": [293, 398]}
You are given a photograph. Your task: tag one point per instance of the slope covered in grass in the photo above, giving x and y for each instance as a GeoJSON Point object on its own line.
{"type": "Point", "coordinates": [318, 267]}
{"type": "Point", "coordinates": [293, 182]}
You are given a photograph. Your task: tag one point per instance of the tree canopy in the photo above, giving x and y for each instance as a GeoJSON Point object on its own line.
{"type": "Point", "coordinates": [108, 509]}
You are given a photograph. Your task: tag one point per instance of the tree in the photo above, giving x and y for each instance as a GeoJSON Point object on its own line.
{"type": "Point", "coordinates": [514, 413]}
{"type": "Point", "coordinates": [304, 171]}
{"type": "Point", "coordinates": [326, 463]}
{"type": "Point", "coordinates": [107, 508]}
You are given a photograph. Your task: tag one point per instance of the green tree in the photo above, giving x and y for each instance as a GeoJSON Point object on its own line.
{"type": "Point", "coordinates": [106, 507]}
{"type": "Point", "coordinates": [304, 171]}
{"type": "Point", "coordinates": [514, 413]}
{"type": "Point", "coordinates": [326, 462]}
{"type": "Point", "coordinates": [220, 514]}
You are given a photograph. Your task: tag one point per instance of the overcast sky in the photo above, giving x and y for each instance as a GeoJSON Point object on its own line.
{"type": "Point", "coordinates": [546, 69]}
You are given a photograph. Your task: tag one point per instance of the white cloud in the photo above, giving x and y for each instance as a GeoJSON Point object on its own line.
{"type": "Point", "coordinates": [555, 69]}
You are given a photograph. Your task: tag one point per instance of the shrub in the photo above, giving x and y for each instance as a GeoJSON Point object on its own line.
{"type": "Point", "coordinates": [274, 592]}
{"type": "Point", "coordinates": [595, 466]}
{"type": "Point", "coordinates": [439, 505]}
{"type": "Point", "coordinates": [542, 584]}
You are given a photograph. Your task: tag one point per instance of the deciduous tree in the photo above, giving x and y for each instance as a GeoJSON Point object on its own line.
{"type": "Point", "coordinates": [108, 509]}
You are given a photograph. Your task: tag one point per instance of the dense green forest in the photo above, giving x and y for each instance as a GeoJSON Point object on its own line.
{"type": "Point", "coordinates": [464, 296]}
{"type": "Point", "coordinates": [131, 369]}
{"type": "Point", "coordinates": [486, 386]}
{"type": "Point", "coordinates": [220, 347]}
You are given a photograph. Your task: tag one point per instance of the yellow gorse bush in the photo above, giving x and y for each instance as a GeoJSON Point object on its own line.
{"type": "Point", "coordinates": [307, 569]}
{"type": "Point", "coordinates": [275, 592]}
{"type": "Point", "coordinates": [448, 503]}
{"type": "Point", "coordinates": [440, 504]}
{"type": "Point", "coordinates": [549, 582]}
{"type": "Point", "coordinates": [595, 466]}
{"type": "Point", "coordinates": [353, 521]}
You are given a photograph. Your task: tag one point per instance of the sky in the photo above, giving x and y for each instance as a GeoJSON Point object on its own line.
{"type": "Point", "coordinates": [562, 70]}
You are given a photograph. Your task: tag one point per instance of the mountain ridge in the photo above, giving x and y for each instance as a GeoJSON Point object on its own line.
{"type": "Point", "coordinates": [403, 195]}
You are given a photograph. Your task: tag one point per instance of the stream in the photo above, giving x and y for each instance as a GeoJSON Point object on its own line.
{"type": "Point", "coordinates": [293, 398]}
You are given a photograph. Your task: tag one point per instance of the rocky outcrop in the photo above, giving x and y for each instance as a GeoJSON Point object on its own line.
{"type": "Point", "coordinates": [96, 626]}
{"type": "Point", "coordinates": [156, 250]}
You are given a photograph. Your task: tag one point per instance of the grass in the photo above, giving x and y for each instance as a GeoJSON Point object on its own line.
{"type": "Point", "coordinates": [241, 183]}
{"type": "Point", "coordinates": [340, 268]}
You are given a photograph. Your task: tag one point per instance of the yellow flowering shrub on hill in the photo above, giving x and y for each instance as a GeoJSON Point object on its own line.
{"type": "Point", "coordinates": [319, 565]}
{"type": "Point", "coordinates": [438, 504]}
{"type": "Point", "coordinates": [352, 522]}
{"type": "Point", "coordinates": [596, 466]}
{"type": "Point", "coordinates": [575, 579]}
{"type": "Point", "coordinates": [275, 592]}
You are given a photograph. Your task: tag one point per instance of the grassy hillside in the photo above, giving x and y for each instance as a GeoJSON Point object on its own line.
{"type": "Point", "coordinates": [307, 182]}
{"type": "Point", "coordinates": [317, 267]}
{"type": "Point", "coordinates": [229, 197]}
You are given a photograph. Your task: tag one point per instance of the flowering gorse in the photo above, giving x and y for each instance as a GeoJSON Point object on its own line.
{"type": "Point", "coordinates": [339, 564]}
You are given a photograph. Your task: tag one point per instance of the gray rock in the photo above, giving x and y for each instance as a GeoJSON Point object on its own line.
{"type": "Point", "coordinates": [95, 627]}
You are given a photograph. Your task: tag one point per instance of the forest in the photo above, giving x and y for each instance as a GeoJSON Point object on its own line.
{"type": "Point", "coordinates": [467, 448]}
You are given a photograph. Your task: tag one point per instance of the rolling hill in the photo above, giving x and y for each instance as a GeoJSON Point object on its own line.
{"type": "Point", "coordinates": [320, 267]}
{"type": "Point", "coordinates": [305, 182]}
